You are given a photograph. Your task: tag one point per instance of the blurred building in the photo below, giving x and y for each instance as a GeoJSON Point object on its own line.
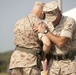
{"type": "Point", "coordinates": [71, 13]}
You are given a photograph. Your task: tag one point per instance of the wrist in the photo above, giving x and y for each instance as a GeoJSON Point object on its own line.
{"type": "Point", "coordinates": [45, 31]}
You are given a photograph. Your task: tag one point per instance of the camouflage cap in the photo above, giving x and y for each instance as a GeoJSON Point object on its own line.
{"type": "Point", "coordinates": [52, 9]}
{"type": "Point", "coordinates": [39, 3]}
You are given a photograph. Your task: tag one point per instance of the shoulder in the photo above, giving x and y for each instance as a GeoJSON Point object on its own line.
{"type": "Point", "coordinates": [69, 22]}
{"type": "Point", "coordinates": [20, 24]}
{"type": "Point", "coordinates": [68, 27]}
{"type": "Point", "coordinates": [69, 19]}
{"type": "Point", "coordinates": [20, 21]}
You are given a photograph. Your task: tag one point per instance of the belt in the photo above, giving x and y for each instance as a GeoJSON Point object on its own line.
{"type": "Point", "coordinates": [28, 50]}
{"type": "Point", "coordinates": [59, 57]}
{"type": "Point", "coordinates": [37, 53]}
{"type": "Point", "coordinates": [70, 55]}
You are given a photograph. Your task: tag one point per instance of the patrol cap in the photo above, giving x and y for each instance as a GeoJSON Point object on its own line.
{"type": "Point", "coordinates": [39, 3]}
{"type": "Point", "coordinates": [52, 9]}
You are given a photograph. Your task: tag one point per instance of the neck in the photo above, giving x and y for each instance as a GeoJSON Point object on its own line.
{"type": "Point", "coordinates": [34, 12]}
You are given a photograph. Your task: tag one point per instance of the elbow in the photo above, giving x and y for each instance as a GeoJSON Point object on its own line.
{"type": "Point", "coordinates": [48, 44]}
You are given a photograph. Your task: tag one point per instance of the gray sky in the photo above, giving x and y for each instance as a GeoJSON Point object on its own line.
{"type": "Point", "coordinates": [13, 10]}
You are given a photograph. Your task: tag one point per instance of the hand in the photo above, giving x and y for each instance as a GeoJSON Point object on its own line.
{"type": "Point", "coordinates": [44, 72]}
{"type": "Point", "coordinates": [40, 28]}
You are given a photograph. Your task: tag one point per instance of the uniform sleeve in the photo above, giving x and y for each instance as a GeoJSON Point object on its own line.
{"type": "Point", "coordinates": [40, 35]}
{"type": "Point", "coordinates": [69, 27]}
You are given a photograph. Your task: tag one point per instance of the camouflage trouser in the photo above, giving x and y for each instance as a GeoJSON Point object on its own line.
{"type": "Point", "coordinates": [26, 71]}
{"type": "Point", "coordinates": [51, 73]}
{"type": "Point", "coordinates": [62, 67]}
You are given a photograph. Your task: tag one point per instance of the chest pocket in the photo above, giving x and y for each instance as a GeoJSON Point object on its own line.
{"type": "Point", "coordinates": [57, 30]}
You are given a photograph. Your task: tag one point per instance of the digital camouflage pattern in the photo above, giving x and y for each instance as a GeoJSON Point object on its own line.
{"type": "Point", "coordinates": [26, 71]}
{"type": "Point", "coordinates": [24, 27]}
{"type": "Point", "coordinates": [66, 28]}
{"type": "Point", "coordinates": [25, 37]}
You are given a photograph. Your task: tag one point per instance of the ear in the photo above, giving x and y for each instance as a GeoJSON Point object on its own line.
{"type": "Point", "coordinates": [44, 16]}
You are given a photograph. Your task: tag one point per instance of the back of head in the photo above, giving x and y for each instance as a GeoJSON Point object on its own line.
{"type": "Point", "coordinates": [40, 4]}
{"type": "Point", "coordinates": [38, 8]}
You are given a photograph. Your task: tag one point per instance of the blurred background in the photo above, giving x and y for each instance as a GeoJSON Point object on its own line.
{"type": "Point", "coordinates": [10, 12]}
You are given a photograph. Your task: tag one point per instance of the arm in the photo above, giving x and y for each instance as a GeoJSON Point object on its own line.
{"type": "Point", "coordinates": [46, 42]}
{"type": "Point", "coordinates": [58, 40]}
{"type": "Point", "coordinates": [65, 35]}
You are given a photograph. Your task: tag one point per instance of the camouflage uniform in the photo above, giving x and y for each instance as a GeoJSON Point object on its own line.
{"type": "Point", "coordinates": [23, 63]}
{"type": "Point", "coordinates": [66, 27]}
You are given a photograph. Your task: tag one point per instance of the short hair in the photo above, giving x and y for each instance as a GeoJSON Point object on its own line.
{"type": "Point", "coordinates": [40, 4]}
